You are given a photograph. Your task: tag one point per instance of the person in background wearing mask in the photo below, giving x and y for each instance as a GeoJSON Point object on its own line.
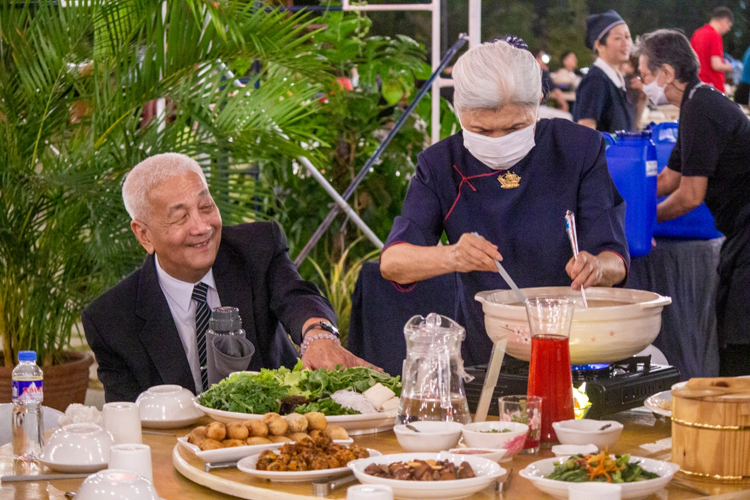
{"type": "Point", "coordinates": [601, 98]}
{"type": "Point", "coordinates": [709, 46]}
{"type": "Point", "coordinates": [711, 162]}
{"type": "Point", "coordinates": [510, 178]}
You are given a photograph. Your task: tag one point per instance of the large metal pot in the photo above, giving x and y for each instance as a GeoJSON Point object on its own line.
{"type": "Point", "coordinates": [598, 335]}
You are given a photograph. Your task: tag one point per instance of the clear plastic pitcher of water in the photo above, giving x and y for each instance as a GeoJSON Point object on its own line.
{"type": "Point", "coordinates": [433, 373]}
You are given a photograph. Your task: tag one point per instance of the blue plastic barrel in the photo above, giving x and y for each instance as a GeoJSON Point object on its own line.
{"type": "Point", "coordinates": [698, 224]}
{"type": "Point", "coordinates": [632, 165]}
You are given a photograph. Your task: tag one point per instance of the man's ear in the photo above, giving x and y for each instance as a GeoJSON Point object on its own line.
{"type": "Point", "coordinates": [669, 74]}
{"type": "Point", "coordinates": [142, 233]}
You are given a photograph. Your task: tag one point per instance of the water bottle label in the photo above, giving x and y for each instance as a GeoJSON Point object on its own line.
{"type": "Point", "coordinates": [28, 390]}
{"type": "Point", "coordinates": [652, 168]}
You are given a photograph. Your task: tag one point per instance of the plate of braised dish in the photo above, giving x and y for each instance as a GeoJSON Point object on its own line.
{"type": "Point", "coordinates": [428, 475]}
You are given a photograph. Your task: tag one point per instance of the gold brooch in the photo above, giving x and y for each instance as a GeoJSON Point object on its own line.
{"type": "Point", "coordinates": [509, 180]}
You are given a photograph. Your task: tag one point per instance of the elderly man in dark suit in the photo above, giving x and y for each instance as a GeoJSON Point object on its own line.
{"type": "Point", "coordinates": [150, 328]}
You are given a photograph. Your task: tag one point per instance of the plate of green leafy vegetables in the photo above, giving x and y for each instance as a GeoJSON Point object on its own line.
{"type": "Point", "coordinates": [638, 477]}
{"type": "Point", "coordinates": [250, 395]}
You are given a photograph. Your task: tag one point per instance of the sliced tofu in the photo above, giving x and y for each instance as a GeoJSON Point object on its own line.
{"type": "Point", "coordinates": [378, 394]}
{"type": "Point", "coordinates": [391, 404]}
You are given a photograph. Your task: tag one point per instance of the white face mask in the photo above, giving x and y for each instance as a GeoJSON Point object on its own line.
{"type": "Point", "coordinates": [500, 153]}
{"type": "Point", "coordinates": [655, 93]}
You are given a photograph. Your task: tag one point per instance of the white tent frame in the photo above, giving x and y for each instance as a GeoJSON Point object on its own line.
{"type": "Point", "coordinates": [475, 38]}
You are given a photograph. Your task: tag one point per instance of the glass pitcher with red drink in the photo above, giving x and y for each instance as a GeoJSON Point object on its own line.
{"type": "Point", "coordinates": [549, 371]}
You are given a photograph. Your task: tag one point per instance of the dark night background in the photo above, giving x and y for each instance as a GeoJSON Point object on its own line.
{"type": "Point", "coordinates": [560, 25]}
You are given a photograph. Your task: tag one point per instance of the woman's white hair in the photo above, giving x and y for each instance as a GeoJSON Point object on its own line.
{"type": "Point", "coordinates": [150, 172]}
{"type": "Point", "coordinates": [492, 75]}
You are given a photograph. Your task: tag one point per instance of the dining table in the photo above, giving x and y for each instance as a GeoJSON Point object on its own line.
{"type": "Point", "coordinates": [179, 474]}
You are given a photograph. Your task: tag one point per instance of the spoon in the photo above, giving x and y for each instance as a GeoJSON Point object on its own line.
{"type": "Point", "coordinates": [606, 426]}
{"type": "Point", "coordinates": [412, 428]}
{"type": "Point", "coordinates": [506, 277]}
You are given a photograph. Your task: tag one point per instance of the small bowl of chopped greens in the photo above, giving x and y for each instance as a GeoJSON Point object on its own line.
{"type": "Point", "coordinates": [509, 436]}
{"type": "Point", "coordinates": [638, 477]}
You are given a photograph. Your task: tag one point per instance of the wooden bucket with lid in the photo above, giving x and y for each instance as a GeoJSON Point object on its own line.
{"type": "Point", "coordinates": [711, 428]}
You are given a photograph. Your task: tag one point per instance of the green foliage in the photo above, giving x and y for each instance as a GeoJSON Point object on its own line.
{"type": "Point", "coordinates": [349, 126]}
{"type": "Point", "coordinates": [339, 283]}
{"type": "Point", "coordinates": [74, 82]}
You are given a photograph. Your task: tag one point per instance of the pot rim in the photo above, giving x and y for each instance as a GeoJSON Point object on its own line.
{"type": "Point", "coordinates": [636, 303]}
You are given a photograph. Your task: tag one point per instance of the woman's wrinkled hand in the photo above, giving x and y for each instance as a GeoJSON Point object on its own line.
{"type": "Point", "coordinates": [585, 270]}
{"type": "Point", "coordinates": [473, 254]}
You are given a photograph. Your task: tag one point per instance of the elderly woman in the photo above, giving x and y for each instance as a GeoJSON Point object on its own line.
{"type": "Point", "coordinates": [510, 178]}
{"type": "Point", "coordinates": [711, 162]}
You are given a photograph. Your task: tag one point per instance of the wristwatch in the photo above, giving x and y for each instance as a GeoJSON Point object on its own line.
{"type": "Point", "coordinates": [323, 325]}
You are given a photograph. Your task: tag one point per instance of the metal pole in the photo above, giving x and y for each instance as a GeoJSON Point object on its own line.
{"type": "Point", "coordinates": [435, 109]}
{"type": "Point", "coordinates": [462, 39]}
{"type": "Point", "coordinates": [340, 202]}
{"type": "Point", "coordinates": [475, 23]}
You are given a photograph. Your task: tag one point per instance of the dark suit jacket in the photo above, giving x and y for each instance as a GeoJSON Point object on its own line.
{"type": "Point", "coordinates": [135, 340]}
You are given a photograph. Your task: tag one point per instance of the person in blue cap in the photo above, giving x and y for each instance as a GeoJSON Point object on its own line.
{"type": "Point", "coordinates": [601, 98]}
{"type": "Point", "coordinates": [509, 177]}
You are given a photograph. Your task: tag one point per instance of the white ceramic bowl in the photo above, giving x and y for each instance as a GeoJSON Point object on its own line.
{"type": "Point", "coordinates": [114, 484]}
{"type": "Point", "coordinates": [78, 448]}
{"type": "Point", "coordinates": [587, 431]}
{"type": "Point", "coordinates": [598, 334]}
{"type": "Point", "coordinates": [486, 472]}
{"type": "Point", "coordinates": [566, 450]}
{"type": "Point", "coordinates": [537, 472]}
{"type": "Point", "coordinates": [488, 453]}
{"type": "Point", "coordinates": [167, 407]}
{"type": "Point", "coordinates": [432, 436]}
{"type": "Point", "coordinates": [481, 435]}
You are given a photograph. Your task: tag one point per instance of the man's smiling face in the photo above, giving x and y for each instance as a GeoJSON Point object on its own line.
{"type": "Point", "coordinates": [183, 227]}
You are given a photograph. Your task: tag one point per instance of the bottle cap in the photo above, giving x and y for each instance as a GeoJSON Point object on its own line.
{"type": "Point", "coordinates": [26, 355]}
{"type": "Point", "coordinates": [225, 319]}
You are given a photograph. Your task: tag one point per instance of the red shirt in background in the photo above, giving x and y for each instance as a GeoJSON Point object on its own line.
{"type": "Point", "coordinates": [707, 42]}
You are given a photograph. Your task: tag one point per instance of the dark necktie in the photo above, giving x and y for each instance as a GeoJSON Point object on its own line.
{"type": "Point", "coordinates": [202, 313]}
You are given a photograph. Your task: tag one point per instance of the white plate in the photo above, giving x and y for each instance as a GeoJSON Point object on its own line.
{"type": "Point", "coordinates": [652, 402]}
{"type": "Point", "coordinates": [75, 468]}
{"type": "Point", "coordinates": [247, 465]}
{"type": "Point", "coordinates": [236, 452]}
{"type": "Point", "coordinates": [537, 472]}
{"type": "Point", "coordinates": [486, 472]}
{"type": "Point", "coordinates": [169, 424]}
{"type": "Point", "coordinates": [354, 424]}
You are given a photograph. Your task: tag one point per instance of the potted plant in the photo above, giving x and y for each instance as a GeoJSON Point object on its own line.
{"type": "Point", "coordinates": [74, 81]}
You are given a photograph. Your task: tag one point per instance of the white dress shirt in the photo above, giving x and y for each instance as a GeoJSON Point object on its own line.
{"type": "Point", "coordinates": [613, 75]}
{"type": "Point", "coordinates": [179, 296]}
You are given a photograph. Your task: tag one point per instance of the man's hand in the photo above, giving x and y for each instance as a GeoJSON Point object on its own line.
{"type": "Point", "coordinates": [585, 270]}
{"type": "Point", "coordinates": [473, 254]}
{"type": "Point", "coordinates": [324, 353]}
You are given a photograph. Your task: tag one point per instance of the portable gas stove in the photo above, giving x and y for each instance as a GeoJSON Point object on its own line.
{"type": "Point", "coordinates": [611, 387]}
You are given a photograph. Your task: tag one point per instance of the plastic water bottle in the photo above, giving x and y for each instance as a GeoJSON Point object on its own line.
{"type": "Point", "coordinates": [28, 394]}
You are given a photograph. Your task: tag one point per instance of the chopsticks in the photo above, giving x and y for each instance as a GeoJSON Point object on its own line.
{"type": "Point", "coordinates": [570, 228]}
{"type": "Point", "coordinates": [506, 276]}
{"type": "Point", "coordinates": [157, 433]}
{"type": "Point", "coordinates": [41, 477]}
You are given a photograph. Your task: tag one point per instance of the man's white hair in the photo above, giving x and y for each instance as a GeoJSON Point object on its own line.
{"type": "Point", "coordinates": [150, 172]}
{"type": "Point", "coordinates": [492, 75]}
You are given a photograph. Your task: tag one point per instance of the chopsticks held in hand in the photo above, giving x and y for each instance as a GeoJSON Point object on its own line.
{"type": "Point", "coordinates": [570, 228]}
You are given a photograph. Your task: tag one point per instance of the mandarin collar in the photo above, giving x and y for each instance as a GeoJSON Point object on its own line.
{"type": "Point", "coordinates": [612, 74]}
